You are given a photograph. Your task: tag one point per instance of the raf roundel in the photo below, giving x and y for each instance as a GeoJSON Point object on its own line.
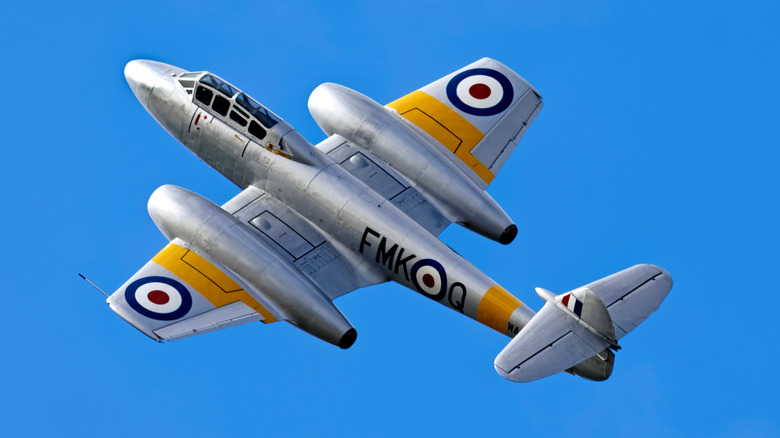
{"type": "Point", "coordinates": [430, 278]}
{"type": "Point", "coordinates": [480, 92]}
{"type": "Point", "coordinates": [160, 298]}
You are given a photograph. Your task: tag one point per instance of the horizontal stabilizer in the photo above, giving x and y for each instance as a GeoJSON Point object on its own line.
{"type": "Point", "coordinates": [568, 330]}
{"type": "Point", "coordinates": [632, 295]}
{"type": "Point", "coordinates": [580, 325]}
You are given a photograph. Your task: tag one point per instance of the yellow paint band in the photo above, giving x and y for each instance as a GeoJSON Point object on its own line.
{"type": "Point", "coordinates": [495, 308]}
{"type": "Point", "coordinates": [445, 125]}
{"type": "Point", "coordinates": [207, 279]}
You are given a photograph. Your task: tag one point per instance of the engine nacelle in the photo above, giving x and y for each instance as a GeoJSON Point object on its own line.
{"type": "Point", "coordinates": [201, 223]}
{"type": "Point", "coordinates": [364, 122]}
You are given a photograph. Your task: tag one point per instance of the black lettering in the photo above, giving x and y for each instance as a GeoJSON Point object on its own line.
{"type": "Point", "coordinates": [363, 241]}
{"type": "Point", "coordinates": [460, 303]}
{"type": "Point", "coordinates": [511, 328]}
{"type": "Point", "coordinates": [402, 262]}
{"type": "Point", "coordinates": [386, 256]}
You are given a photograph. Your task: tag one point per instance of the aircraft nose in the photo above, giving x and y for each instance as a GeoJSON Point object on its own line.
{"type": "Point", "coordinates": [143, 75]}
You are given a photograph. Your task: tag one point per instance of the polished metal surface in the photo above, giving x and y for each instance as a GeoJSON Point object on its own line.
{"type": "Point", "coordinates": [362, 207]}
{"type": "Point", "coordinates": [357, 118]}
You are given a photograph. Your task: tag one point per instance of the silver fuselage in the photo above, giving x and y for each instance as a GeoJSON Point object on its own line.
{"type": "Point", "coordinates": [317, 188]}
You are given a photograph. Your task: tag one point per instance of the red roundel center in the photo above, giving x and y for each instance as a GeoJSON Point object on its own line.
{"type": "Point", "coordinates": [479, 91]}
{"type": "Point", "coordinates": [428, 280]}
{"type": "Point", "coordinates": [158, 297]}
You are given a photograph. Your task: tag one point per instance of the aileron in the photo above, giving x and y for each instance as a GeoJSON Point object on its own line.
{"type": "Point", "coordinates": [231, 315]}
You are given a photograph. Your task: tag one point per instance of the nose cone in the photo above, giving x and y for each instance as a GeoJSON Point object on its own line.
{"type": "Point", "coordinates": [143, 76]}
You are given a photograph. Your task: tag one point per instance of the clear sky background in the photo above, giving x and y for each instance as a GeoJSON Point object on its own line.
{"type": "Point", "coordinates": [657, 144]}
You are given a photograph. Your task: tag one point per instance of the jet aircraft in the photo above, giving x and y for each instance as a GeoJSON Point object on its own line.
{"type": "Point", "coordinates": [362, 207]}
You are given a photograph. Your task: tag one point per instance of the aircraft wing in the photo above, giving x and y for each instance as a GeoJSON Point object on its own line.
{"type": "Point", "coordinates": [183, 291]}
{"type": "Point", "coordinates": [477, 115]}
{"type": "Point", "coordinates": [334, 269]}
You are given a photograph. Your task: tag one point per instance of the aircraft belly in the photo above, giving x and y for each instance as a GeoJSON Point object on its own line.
{"type": "Point", "coordinates": [368, 217]}
{"type": "Point", "coordinates": [387, 182]}
{"type": "Point", "coordinates": [385, 237]}
{"type": "Point", "coordinates": [335, 269]}
{"type": "Point", "coordinates": [362, 220]}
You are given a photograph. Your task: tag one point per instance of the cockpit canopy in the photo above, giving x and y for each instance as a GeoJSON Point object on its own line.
{"type": "Point", "coordinates": [215, 94]}
{"type": "Point", "coordinates": [234, 107]}
{"type": "Point", "coordinates": [220, 85]}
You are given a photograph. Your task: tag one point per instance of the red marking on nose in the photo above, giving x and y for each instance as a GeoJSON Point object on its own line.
{"type": "Point", "coordinates": [197, 119]}
{"type": "Point", "coordinates": [428, 280]}
{"type": "Point", "coordinates": [479, 91]}
{"type": "Point", "coordinates": [158, 297]}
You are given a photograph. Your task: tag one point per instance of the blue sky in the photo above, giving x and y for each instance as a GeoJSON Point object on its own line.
{"type": "Point", "coordinates": [657, 144]}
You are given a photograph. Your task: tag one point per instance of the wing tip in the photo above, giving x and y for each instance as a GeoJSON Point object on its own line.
{"type": "Point", "coordinates": [662, 277]}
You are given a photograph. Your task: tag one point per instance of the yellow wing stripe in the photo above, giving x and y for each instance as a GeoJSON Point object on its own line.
{"type": "Point", "coordinates": [446, 126]}
{"type": "Point", "coordinates": [207, 279]}
{"type": "Point", "coordinates": [495, 308]}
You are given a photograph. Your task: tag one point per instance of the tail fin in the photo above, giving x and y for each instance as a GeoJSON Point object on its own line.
{"type": "Point", "coordinates": [575, 331]}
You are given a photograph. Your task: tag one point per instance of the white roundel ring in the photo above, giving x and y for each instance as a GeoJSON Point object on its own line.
{"type": "Point", "coordinates": [480, 92]}
{"type": "Point", "coordinates": [160, 298]}
{"type": "Point", "coordinates": [430, 278]}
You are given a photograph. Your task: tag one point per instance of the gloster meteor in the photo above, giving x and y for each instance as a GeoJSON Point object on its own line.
{"type": "Point", "coordinates": [364, 206]}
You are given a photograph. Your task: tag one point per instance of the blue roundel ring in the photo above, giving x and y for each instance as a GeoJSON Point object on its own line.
{"type": "Point", "coordinates": [442, 278]}
{"type": "Point", "coordinates": [501, 106]}
{"type": "Point", "coordinates": [184, 308]}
